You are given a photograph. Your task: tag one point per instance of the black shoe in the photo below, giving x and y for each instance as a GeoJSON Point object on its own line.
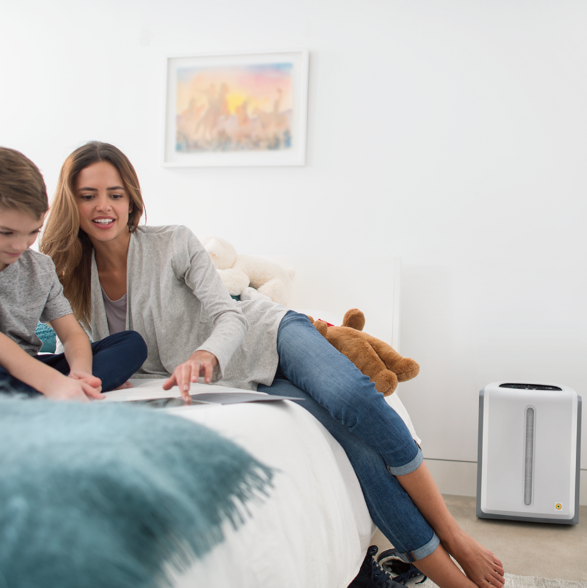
{"type": "Point", "coordinates": [372, 575]}
{"type": "Point", "coordinates": [399, 570]}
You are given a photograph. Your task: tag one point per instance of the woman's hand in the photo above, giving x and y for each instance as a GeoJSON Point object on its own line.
{"type": "Point", "coordinates": [200, 363]}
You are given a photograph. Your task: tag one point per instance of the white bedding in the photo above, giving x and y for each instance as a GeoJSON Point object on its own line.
{"type": "Point", "coordinates": [314, 528]}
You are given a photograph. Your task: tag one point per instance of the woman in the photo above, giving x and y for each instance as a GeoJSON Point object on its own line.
{"type": "Point", "coordinates": [160, 282]}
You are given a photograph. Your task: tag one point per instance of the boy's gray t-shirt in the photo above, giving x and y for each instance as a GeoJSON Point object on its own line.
{"type": "Point", "coordinates": [30, 292]}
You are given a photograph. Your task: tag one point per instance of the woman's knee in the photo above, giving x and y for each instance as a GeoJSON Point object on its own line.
{"type": "Point", "coordinates": [131, 345]}
{"type": "Point", "coordinates": [136, 342]}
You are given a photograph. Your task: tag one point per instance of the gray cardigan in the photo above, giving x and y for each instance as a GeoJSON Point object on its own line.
{"type": "Point", "coordinates": [178, 303]}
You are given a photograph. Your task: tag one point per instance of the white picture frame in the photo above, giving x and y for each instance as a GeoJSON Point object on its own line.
{"type": "Point", "coordinates": [236, 109]}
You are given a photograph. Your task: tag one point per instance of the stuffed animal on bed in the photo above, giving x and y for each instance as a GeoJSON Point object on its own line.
{"type": "Point", "coordinates": [248, 276]}
{"type": "Point", "coordinates": [376, 359]}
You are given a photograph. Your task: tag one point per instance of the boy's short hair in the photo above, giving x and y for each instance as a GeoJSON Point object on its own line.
{"type": "Point", "coordinates": [21, 184]}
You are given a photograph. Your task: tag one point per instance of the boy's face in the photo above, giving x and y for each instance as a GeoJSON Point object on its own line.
{"type": "Point", "coordinates": [18, 231]}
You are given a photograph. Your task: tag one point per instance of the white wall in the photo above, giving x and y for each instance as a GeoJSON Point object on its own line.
{"type": "Point", "coordinates": [452, 134]}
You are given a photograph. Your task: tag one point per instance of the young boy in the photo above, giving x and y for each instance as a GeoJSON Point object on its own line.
{"type": "Point", "coordinates": [30, 291]}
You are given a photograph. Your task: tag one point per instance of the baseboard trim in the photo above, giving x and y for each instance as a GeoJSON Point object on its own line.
{"type": "Point", "coordinates": [460, 477]}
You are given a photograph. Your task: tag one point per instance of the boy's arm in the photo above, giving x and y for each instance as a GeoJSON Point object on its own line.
{"type": "Point", "coordinates": [39, 376]}
{"type": "Point", "coordinates": [77, 349]}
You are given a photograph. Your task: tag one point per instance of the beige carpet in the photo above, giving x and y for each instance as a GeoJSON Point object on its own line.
{"type": "Point", "coordinates": [527, 550]}
{"type": "Point", "coordinates": [512, 581]}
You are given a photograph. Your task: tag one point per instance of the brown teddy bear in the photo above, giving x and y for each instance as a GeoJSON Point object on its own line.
{"type": "Point", "coordinates": [376, 359]}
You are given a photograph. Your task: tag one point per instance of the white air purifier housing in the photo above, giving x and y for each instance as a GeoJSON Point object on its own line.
{"type": "Point", "coordinates": [529, 453]}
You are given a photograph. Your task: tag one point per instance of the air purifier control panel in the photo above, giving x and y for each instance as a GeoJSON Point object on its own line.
{"type": "Point", "coordinates": [520, 386]}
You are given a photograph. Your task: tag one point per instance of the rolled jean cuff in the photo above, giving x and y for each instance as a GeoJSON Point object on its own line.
{"type": "Point", "coordinates": [421, 552]}
{"type": "Point", "coordinates": [409, 467]}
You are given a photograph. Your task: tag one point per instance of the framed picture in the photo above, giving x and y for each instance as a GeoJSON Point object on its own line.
{"type": "Point", "coordinates": [236, 109]}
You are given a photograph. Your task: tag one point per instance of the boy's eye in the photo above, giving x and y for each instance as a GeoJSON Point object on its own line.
{"type": "Point", "coordinates": [6, 233]}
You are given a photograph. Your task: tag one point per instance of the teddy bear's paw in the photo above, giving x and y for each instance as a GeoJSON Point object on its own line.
{"type": "Point", "coordinates": [321, 326]}
{"type": "Point", "coordinates": [276, 290]}
{"type": "Point", "coordinates": [234, 280]}
{"type": "Point", "coordinates": [406, 369]}
{"type": "Point", "coordinates": [385, 382]}
{"type": "Point", "coordinates": [251, 294]}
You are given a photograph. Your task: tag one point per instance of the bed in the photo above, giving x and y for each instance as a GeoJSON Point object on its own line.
{"type": "Point", "coordinates": [313, 527]}
{"type": "Point", "coordinates": [315, 512]}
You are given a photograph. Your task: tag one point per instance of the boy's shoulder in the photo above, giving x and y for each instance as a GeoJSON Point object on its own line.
{"type": "Point", "coordinates": [33, 270]}
{"type": "Point", "coordinates": [32, 260]}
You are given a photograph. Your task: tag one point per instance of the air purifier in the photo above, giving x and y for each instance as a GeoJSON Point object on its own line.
{"type": "Point", "coordinates": [529, 453]}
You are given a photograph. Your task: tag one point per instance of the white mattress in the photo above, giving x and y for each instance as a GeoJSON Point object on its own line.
{"type": "Point", "coordinates": [314, 528]}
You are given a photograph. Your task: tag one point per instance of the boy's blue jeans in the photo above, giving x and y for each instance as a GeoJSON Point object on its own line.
{"type": "Point", "coordinates": [374, 437]}
{"type": "Point", "coordinates": [116, 359]}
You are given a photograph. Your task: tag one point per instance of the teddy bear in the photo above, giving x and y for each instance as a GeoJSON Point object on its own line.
{"type": "Point", "coordinates": [376, 359]}
{"type": "Point", "coordinates": [248, 276]}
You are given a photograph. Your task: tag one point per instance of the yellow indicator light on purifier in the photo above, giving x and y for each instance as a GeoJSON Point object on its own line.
{"type": "Point", "coordinates": [558, 506]}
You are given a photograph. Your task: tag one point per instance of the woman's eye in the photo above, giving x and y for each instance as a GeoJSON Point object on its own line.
{"type": "Point", "coordinates": [117, 196]}
{"type": "Point", "coordinates": [86, 196]}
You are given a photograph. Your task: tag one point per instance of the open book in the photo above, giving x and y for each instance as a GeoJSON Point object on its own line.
{"type": "Point", "coordinates": [233, 397]}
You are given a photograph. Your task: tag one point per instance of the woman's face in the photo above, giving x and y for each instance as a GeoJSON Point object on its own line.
{"type": "Point", "coordinates": [103, 202]}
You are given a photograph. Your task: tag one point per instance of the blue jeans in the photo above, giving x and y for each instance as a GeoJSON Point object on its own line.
{"type": "Point", "coordinates": [116, 359]}
{"type": "Point", "coordinates": [375, 439]}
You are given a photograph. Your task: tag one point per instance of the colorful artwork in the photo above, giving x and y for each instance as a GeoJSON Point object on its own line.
{"type": "Point", "coordinates": [234, 108]}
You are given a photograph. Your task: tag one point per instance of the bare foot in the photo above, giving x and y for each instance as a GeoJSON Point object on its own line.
{"type": "Point", "coordinates": [480, 565]}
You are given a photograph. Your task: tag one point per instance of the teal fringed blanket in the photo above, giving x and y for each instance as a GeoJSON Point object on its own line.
{"type": "Point", "coordinates": [106, 495]}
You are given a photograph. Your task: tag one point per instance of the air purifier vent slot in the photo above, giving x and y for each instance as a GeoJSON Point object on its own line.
{"type": "Point", "coordinates": [529, 456]}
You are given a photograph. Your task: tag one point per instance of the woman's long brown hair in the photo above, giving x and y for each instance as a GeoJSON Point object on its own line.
{"type": "Point", "coordinates": [64, 241]}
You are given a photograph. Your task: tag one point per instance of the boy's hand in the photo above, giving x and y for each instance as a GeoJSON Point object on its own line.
{"type": "Point", "coordinates": [80, 386]}
{"type": "Point", "coordinates": [93, 381]}
{"type": "Point", "coordinates": [93, 384]}
{"type": "Point", "coordinates": [70, 388]}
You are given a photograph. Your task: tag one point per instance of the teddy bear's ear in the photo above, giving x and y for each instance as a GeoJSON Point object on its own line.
{"type": "Point", "coordinates": [354, 319]}
{"type": "Point", "coordinates": [222, 253]}
{"type": "Point", "coordinates": [311, 318]}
